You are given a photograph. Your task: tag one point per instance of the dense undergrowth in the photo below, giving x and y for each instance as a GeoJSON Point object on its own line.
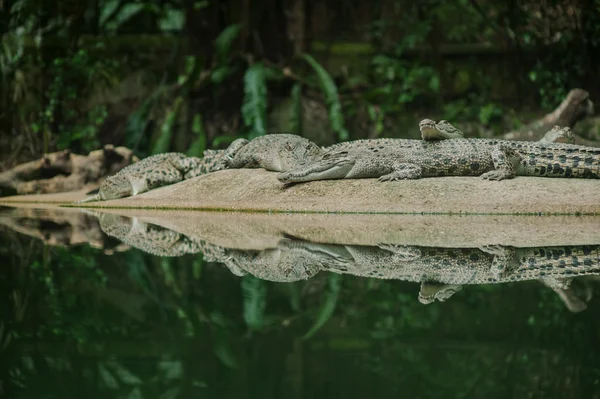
{"type": "Point", "coordinates": [139, 73]}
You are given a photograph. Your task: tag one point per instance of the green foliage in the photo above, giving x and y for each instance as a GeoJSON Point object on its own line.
{"type": "Point", "coordinates": [57, 65]}
{"type": "Point", "coordinates": [296, 114]}
{"type": "Point", "coordinates": [224, 43]}
{"type": "Point", "coordinates": [255, 301]}
{"type": "Point", "coordinates": [329, 304]}
{"type": "Point", "coordinates": [223, 68]}
{"type": "Point", "coordinates": [254, 107]}
{"type": "Point", "coordinates": [166, 130]}
{"type": "Point", "coordinates": [199, 144]}
{"type": "Point", "coordinates": [332, 100]}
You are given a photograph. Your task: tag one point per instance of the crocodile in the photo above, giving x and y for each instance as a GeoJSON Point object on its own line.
{"type": "Point", "coordinates": [275, 152]}
{"type": "Point", "coordinates": [491, 159]}
{"type": "Point", "coordinates": [442, 130]}
{"type": "Point", "coordinates": [152, 172]}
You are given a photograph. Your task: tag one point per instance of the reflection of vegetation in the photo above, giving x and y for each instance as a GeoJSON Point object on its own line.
{"type": "Point", "coordinates": [80, 322]}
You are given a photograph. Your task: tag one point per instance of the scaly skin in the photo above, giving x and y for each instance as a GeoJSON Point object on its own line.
{"type": "Point", "coordinates": [397, 159]}
{"type": "Point", "coordinates": [152, 172]}
{"type": "Point", "coordinates": [275, 152]}
{"type": "Point", "coordinates": [442, 130]}
{"type": "Point", "coordinates": [444, 271]}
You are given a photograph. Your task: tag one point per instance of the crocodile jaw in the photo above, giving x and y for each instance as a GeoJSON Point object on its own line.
{"type": "Point", "coordinates": [320, 170]}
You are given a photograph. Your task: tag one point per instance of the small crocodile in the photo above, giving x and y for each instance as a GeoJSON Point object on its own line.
{"type": "Point", "coordinates": [397, 159]}
{"type": "Point", "coordinates": [275, 152]}
{"type": "Point", "coordinates": [152, 172]}
{"type": "Point", "coordinates": [442, 130]}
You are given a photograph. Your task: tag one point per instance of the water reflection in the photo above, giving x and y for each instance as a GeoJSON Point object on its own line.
{"type": "Point", "coordinates": [286, 314]}
{"type": "Point", "coordinates": [441, 271]}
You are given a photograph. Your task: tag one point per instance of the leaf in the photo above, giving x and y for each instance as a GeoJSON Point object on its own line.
{"type": "Point", "coordinates": [166, 130]}
{"type": "Point", "coordinates": [296, 114]}
{"type": "Point", "coordinates": [254, 107]}
{"type": "Point", "coordinates": [329, 304]}
{"type": "Point", "coordinates": [254, 291]}
{"type": "Point", "coordinates": [126, 12]}
{"type": "Point", "coordinates": [329, 89]}
{"type": "Point", "coordinates": [199, 144]}
{"type": "Point", "coordinates": [172, 20]}
{"type": "Point", "coordinates": [223, 350]}
{"type": "Point", "coordinates": [138, 120]}
{"type": "Point", "coordinates": [224, 41]}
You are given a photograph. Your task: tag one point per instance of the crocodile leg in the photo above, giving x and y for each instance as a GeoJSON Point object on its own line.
{"type": "Point", "coordinates": [162, 175]}
{"type": "Point", "coordinates": [403, 171]}
{"type": "Point", "coordinates": [505, 163]}
{"type": "Point", "coordinates": [230, 152]}
{"type": "Point", "coordinates": [504, 262]}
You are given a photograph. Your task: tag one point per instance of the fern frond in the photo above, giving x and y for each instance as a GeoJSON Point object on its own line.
{"type": "Point", "coordinates": [224, 41]}
{"type": "Point", "coordinates": [255, 301]}
{"type": "Point", "coordinates": [199, 144]}
{"type": "Point", "coordinates": [166, 130]}
{"type": "Point", "coordinates": [329, 305]}
{"type": "Point", "coordinates": [254, 108]}
{"type": "Point", "coordinates": [329, 89]}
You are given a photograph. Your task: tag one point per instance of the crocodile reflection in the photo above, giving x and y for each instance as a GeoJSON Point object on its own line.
{"type": "Point", "coordinates": [441, 271]}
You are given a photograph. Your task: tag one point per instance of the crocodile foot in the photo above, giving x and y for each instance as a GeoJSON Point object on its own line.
{"type": "Point", "coordinates": [403, 171]}
{"type": "Point", "coordinates": [504, 260]}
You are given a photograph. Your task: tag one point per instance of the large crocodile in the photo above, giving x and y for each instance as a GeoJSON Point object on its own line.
{"type": "Point", "coordinates": [275, 152]}
{"type": "Point", "coordinates": [397, 159]}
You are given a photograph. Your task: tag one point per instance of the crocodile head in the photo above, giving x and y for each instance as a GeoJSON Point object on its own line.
{"type": "Point", "coordinates": [430, 292]}
{"type": "Point", "coordinates": [296, 153]}
{"type": "Point", "coordinates": [117, 186]}
{"type": "Point", "coordinates": [428, 129]}
{"type": "Point", "coordinates": [334, 165]}
{"type": "Point", "coordinates": [559, 135]}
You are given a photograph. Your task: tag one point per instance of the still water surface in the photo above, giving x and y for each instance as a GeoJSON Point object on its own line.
{"type": "Point", "coordinates": [102, 305]}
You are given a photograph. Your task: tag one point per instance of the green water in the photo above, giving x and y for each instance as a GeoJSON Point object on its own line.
{"type": "Point", "coordinates": [117, 322]}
